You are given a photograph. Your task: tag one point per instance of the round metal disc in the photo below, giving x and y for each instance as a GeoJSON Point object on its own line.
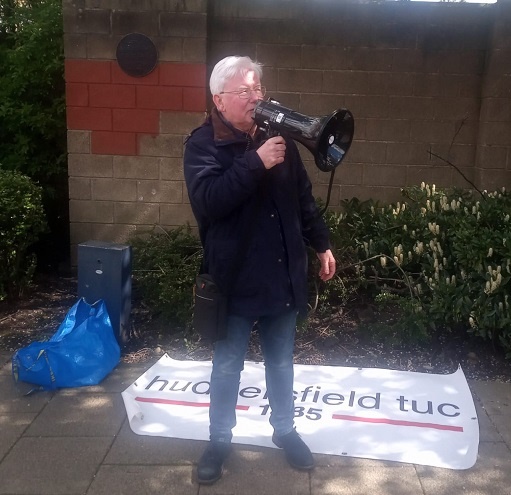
{"type": "Point", "coordinates": [136, 55]}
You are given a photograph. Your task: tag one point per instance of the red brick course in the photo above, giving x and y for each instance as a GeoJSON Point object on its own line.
{"type": "Point", "coordinates": [77, 94]}
{"type": "Point", "coordinates": [119, 108]}
{"type": "Point", "coordinates": [112, 95]}
{"type": "Point", "coordinates": [183, 75]}
{"type": "Point", "coordinates": [136, 120]}
{"type": "Point", "coordinates": [114, 143]}
{"type": "Point", "coordinates": [120, 77]}
{"type": "Point", "coordinates": [194, 100]}
{"type": "Point", "coordinates": [87, 71]}
{"type": "Point", "coordinates": [87, 118]}
{"type": "Point", "coordinates": [160, 97]}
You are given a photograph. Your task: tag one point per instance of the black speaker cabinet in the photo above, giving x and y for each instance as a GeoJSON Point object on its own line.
{"type": "Point", "coordinates": [104, 272]}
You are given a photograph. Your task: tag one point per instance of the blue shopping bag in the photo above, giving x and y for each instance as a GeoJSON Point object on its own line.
{"type": "Point", "coordinates": [82, 351]}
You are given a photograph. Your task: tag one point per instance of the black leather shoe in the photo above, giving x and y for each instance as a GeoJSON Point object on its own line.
{"type": "Point", "coordinates": [210, 467]}
{"type": "Point", "coordinates": [297, 453]}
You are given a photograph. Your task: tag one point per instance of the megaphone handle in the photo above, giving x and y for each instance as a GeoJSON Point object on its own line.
{"type": "Point", "coordinates": [269, 131]}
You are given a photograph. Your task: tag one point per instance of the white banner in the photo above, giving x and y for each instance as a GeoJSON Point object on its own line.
{"type": "Point", "coordinates": [372, 413]}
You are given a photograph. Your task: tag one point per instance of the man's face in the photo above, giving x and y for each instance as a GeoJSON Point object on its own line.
{"type": "Point", "coordinates": [236, 110]}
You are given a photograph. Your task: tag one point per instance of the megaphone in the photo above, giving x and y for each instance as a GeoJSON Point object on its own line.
{"type": "Point", "coordinates": [328, 138]}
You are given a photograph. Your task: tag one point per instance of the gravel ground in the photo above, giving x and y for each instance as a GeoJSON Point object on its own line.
{"type": "Point", "coordinates": [340, 341]}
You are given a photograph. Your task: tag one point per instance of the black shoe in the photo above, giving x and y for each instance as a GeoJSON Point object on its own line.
{"type": "Point", "coordinates": [297, 453]}
{"type": "Point", "coordinates": [210, 467]}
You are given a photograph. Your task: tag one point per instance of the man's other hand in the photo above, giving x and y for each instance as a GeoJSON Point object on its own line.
{"type": "Point", "coordinates": [327, 270]}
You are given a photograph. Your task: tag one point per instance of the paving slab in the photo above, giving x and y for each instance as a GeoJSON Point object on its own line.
{"type": "Point", "coordinates": [487, 430]}
{"type": "Point", "coordinates": [147, 480]}
{"type": "Point", "coordinates": [380, 479]}
{"type": "Point", "coordinates": [74, 412]}
{"type": "Point", "coordinates": [129, 448]}
{"type": "Point", "coordinates": [503, 427]}
{"type": "Point", "coordinates": [12, 426]}
{"type": "Point", "coordinates": [495, 396]}
{"type": "Point", "coordinates": [120, 378]}
{"type": "Point", "coordinates": [78, 441]}
{"type": "Point", "coordinates": [494, 399]}
{"type": "Point", "coordinates": [491, 475]}
{"type": "Point", "coordinates": [12, 399]}
{"type": "Point", "coordinates": [52, 466]}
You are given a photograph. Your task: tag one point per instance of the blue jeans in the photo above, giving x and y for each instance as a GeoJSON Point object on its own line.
{"type": "Point", "coordinates": [277, 336]}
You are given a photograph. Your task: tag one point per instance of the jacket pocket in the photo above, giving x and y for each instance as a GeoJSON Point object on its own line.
{"type": "Point", "coordinates": [241, 280]}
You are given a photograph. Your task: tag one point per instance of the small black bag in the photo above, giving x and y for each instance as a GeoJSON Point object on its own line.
{"type": "Point", "coordinates": [210, 312]}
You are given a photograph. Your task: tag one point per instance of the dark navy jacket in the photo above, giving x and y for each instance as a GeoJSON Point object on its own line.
{"type": "Point", "coordinates": [230, 190]}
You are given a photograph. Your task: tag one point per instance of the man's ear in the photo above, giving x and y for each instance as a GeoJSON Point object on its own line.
{"type": "Point", "coordinates": [219, 103]}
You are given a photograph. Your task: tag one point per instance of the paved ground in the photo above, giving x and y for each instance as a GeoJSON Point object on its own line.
{"type": "Point", "coordinates": [78, 441]}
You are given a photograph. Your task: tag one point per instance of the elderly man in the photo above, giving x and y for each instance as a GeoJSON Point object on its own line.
{"type": "Point", "coordinates": [239, 180]}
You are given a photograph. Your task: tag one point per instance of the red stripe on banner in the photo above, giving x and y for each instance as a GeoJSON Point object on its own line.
{"type": "Point", "coordinates": [154, 400]}
{"type": "Point", "coordinates": [397, 422]}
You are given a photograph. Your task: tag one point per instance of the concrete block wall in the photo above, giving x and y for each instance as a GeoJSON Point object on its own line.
{"type": "Point", "coordinates": [411, 73]}
{"type": "Point", "coordinates": [125, 134]}
{"type": "Point", "coordinates": [493, 164]}
{"type": "Point", "coordinates": [427, 83]}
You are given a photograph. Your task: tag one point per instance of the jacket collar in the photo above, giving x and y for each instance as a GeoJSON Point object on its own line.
{"type": "Point", "coordinates": [223, 130]}
{"type": "Point", "coordinates": [225, 133]}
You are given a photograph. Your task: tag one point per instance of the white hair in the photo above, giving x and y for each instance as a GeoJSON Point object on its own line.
{"type": "Point", "coordinates": [230, 67]}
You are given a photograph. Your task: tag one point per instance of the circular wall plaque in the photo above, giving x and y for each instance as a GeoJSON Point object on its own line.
{"type": "Point", "coordinates": [136, 55]}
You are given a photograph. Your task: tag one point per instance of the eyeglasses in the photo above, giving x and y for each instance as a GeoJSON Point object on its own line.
{"type": "Point", "coordinates": [245, 93]}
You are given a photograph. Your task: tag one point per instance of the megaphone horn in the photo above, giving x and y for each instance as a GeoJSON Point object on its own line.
{"type": "Point", "coordinates": [328, 138]}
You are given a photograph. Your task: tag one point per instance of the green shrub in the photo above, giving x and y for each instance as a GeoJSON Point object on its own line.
{"type": "Point", "coordinates": [447, 254]}
{"type": "Point", "coordinates": [436, 262]}
{"type": "Point", "coordinates": [33, 112]}
{"type": "Point", "coordinates": [22, 220]}
{"type": "Point", "coordinates": [32, 101]}
{"type": "Point", "coordinates": [326, 299]}
{"type": "Point", "coordinates": [165, 264]}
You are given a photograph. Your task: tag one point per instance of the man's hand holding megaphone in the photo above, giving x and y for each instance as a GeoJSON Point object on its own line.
{"type": "Point", "coordinates": [272, 151]}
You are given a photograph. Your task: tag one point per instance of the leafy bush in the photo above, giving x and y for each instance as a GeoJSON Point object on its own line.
{"type": "Point", "coordinates": [326, 299]}
{"type": "Point", "coordinates": [32, 101]}
{"type": "Point", "coordinates": [440, 261]}
{"type": "Point", "coordinates": [22, 220]}
{"type": "Point", "coordinates": [447, 254]}
{"type": "Point", "coordinates": [165, 264]}
{"type": "Point", "coordinates": [33, 113]}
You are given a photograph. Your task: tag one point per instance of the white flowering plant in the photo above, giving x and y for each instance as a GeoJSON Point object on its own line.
{"type": "Point", "coordinates": [445, 253]}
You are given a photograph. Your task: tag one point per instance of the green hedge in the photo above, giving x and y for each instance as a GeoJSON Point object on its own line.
{"type": "Point", "coordinates": [444, 254]}
{"type": "Point", "coordinates": [165, 264]}
{"type": "Point", "coordinates": [439, 259]}
{"type": "Point", "coordinates": [32, 99]}
{"type": "Point", "coordinates": [22, 220]}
